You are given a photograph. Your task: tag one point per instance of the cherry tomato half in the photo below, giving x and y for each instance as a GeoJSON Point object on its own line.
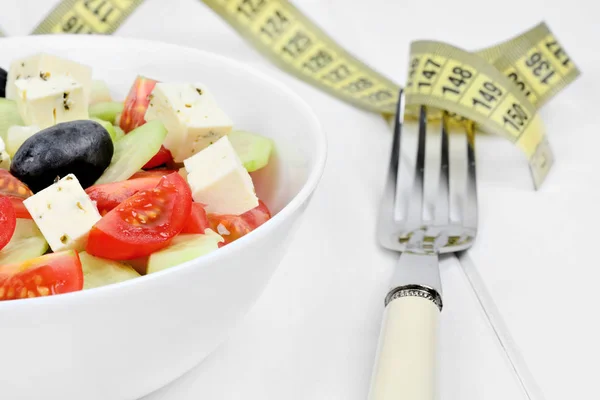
{"type": "Point", "coordinates": [17, 191]}
{"type": "Point", "coordinates": [8, 221]}
{"type": "Point", "coordinates": [143, 223]}
{"type": "Point", "coordinates": [233, 227]}
{"type": "Point", "coordinates": [109, 195]}
{"type": "Point", "coordinates": [198, 221]}
{"type": "Point", "coordinates": [42, 276]}
{"type": "Point", "coordinates": [136, 103]}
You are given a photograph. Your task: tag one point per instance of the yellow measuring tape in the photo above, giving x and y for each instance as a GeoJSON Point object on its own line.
{"type": "Point", "coordinates": [499, 88]}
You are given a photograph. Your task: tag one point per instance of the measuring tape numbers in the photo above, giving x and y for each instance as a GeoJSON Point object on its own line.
{"type": "Point", "coordinates": [499, 88]}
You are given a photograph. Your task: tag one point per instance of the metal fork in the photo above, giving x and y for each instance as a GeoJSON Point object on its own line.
{"type": "Point", "coordinates": [405, 368]}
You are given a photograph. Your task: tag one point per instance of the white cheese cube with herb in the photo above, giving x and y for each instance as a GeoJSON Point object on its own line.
{"type": "Point", "coordinates": [46, 102]}
{"type": "Point", "coordinates": [46, 65]}
{"type": "Point", "coordinates": [4, 157]}
{"type": "Point", "coordinates": [219, 180]}
{"type": "Point", "coordinates": [190, 114]}
{"type": "Point", "coordinates": [64, 213]}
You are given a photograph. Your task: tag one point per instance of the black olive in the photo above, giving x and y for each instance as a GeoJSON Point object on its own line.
{"type": "Point", "coordinates": [3, 74]}
{"type": "Point", "coordinates": [83, 148]}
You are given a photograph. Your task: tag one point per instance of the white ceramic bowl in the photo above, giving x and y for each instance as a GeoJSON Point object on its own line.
{"type": "Point", "coordinates": [126, 340]}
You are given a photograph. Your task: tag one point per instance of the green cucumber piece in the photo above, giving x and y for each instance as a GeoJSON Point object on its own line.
{"type": "Point", "coordinates": [184, 247]}
{"type": "Point", "coordinates": [17, 135]}
{"type": "Point", "coordinates": [26, 243]}
{"type": "Point", "coordinates": [133, 151]}
{"type": "Point", "coordinates": [109, 128]}
{"type": "Point", "coordinates": [9, 116]}
{"type": "Point", "coordinates": [100, 92]}
{"type": "Point", "coordinates": [252, 149]}
{"type": "Point", "coordinates": [119, 132]}
{"type": "Point", "coordinates": [106, 111]}
{"type": "Point", "coordinates": [100, 272]}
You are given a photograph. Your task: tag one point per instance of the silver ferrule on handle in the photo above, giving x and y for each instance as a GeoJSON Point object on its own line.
{"type": "Point", "coordinates": [421, 291]}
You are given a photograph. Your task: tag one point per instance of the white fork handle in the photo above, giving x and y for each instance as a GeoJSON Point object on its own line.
{"type": "Point", "coordinates": [405, 368]}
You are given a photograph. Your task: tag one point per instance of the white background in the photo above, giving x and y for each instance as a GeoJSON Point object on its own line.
{"type": "Point", "coordinates": [313, 333]}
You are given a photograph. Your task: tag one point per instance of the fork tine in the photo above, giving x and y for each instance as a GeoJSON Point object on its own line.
{"type": "Point", "coordinates": [395, 171]}
{"type": "Point", "coordinates": [415, 202]}
{"type": "Point", "coordinates": [470, 203]}
{"type": "Point", "coordinates": [442, 202]}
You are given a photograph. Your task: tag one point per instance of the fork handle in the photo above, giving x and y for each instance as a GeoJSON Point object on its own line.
{"type": "Point", "coordinates": [405, 368]}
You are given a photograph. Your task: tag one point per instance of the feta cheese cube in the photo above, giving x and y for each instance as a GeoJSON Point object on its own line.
{"type": "Point", "coordinates": [219, 180]}
{"type": "Point", "coordinates": [4, 157]}
{"type": "Point", "coordinates": [46, 65]}
{"type": "Point", "coordinates": [64, 213]}
{"type": "Point", "coordinates": [190, 114]}
{"type": "Point", "coordinates": [46, 102]}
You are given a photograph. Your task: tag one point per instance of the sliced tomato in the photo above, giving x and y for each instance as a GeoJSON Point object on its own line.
{"type": "Point", "coordinates": [198, 221]}
{"type": "Point", "coordinates": [162, 157]}
{"type": "Point", "coordinates": [134, 110]}
{"type": "Point", "coordinates": [233, 227]}
{"type": "Point", "coordinates": [109, 195]}
{"type": "Point", "coordinates": [136, 103]}
{"type": "Point", "coordinates": [153, 172]}
{"type": "Point", "coordinates": [20, 210]}
{"type": "Point", "coordinates": [17, 191]}
{"type": "Point", "coordinates": [144, 223]}
{"type": "Point", "coordinates": [42, 276]}
{"type": "Point", "coordinates": [8, 221]}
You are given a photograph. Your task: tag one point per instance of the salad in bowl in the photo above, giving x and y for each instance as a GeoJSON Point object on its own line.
{"type": "Point", "coordinates": [96, 191]}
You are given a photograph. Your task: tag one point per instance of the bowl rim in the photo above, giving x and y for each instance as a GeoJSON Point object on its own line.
{"type": "Point", "coordinates": [290, 208]}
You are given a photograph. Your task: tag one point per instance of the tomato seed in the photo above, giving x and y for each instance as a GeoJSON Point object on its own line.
{"type": "Point", "coordinates": [43, 290]}
{"type": "Point", "coordinates": [22, 293]}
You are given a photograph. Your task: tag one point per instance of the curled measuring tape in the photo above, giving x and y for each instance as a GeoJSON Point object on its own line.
{"type": "Point", "coordinates": [498, 88]}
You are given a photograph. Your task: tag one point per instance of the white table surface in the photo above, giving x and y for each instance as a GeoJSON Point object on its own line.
{"type": "Point", "coordinates": [313, 333]}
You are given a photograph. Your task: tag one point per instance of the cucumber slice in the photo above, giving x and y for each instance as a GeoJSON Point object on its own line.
{"type": "Point", "coordinates": [184, 247]}
{"type": "Point", "coordinates": [119, 132]}
{"type": "Point", "coordinates": [109, 128]}
{"type": "Point", "coordinates": [17, 135]}
{"type": "Point", "coordinates": [27, 243]}
{"type": "Point", "coordinates": [133, 151]}
{"type": "Point", "coordinates": [9, 116]}
{"type": "Point", "coordinates": [106, 111]}
{"type": "Point", "coordinates": [100, 92]}
{"type": "Point", "coordinates": [100, 272]}
{"type": "Point", "coordinates": [254, 150]}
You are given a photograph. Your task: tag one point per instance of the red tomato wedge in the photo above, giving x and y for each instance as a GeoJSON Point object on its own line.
{"type": "Point", "coordinates": [136, 103]}
{"type": "Point", "coordinates": [144, 223]}
{"type": "Point", "coordinates": [17, 191]}
{"type": "Point", "coordinates": [153, 172]}
{"type": "Point", "coordinates": [134, 110]}
{"type": "Point", "coordinates": [239, 225]}
{"type": "Point", "coordinates": [42, 276]}
{"type": "Point", "coordinates": [198, 221]}
{"type": "Point", "coordinates": [8, 221]}
{"type": "Point", "coordinates": [162, 157]}
{"type": "Point", "coordinates": [109, 195]}
{"type": "Point", "coordinates": [20, 210]}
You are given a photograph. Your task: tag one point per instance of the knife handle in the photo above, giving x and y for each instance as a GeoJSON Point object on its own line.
{"type": "Point", "coordinates": [406, 363]}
